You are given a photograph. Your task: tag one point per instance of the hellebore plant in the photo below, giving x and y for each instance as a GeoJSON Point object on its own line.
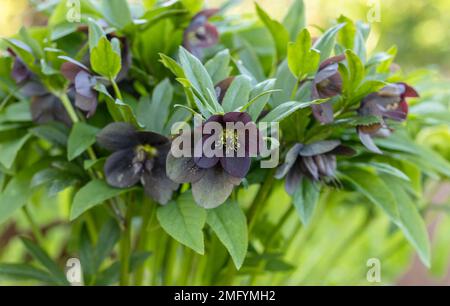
{"type": "Point", "coordinates": [177, 122]}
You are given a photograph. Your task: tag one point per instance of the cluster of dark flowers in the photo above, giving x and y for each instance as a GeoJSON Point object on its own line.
{"type": "Point", "coordinates": [145, 157]}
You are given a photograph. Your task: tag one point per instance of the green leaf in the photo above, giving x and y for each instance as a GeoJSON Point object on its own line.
{"type": "Point", "coordinates": [302, 60]}
{"type": "Point", "coordinates": [218, 67]}
{"type": "Point", "coordinates": [295, 19]}
{"type": "Point", "coordinates": [153, 113]}
{"type": "Point", "coordinates": [260, 100]}
{"type": "Point", "coordinates": [25, 272]}
{"type": "Point", "coordinates": [401, 141]}
{"type": "Point", "coordinates": [109, 235]}
{"type": "Point", "coordinates": [42, 257]}
{"type": "Point", "coordinates": [305, 199]}
{"type": "Point", "coordinates": [325, 44]}
{"type": "Point", "coordinates": [54, 132]}
{"type": "Point", "coordinates": [172, 65]}
{"type": "Point", "coordinates": [388, 169]}
{"type": "Point", "coordinates": [81, 138]}
{"type": "Point", "coordinates": [184, 221]}
{"type": "Point", "coordinates": [237, 94]}
{"type": "Point", "coordinates": [92, 194]}
{"type": "Point", "coordinates": [199, 78]}
{"type": "Point", "coordinates": [278, 32]}
{"type": "Point", "coordinates": [95, 34]}
{"type": "Point", "coordinates": [284, 110]}
{"type": "Point", "coordinates": [285, 81]}
{"type": "Point", "coordinates": [356, 71]}
{"type": "Point", "coordinates": [348, 33]}
{"type": "Point", "coordinates": [18, 190]}
{"type": "Point", "coordinates": [86, 253]}
{"type": "Point", "coordinates": [117, 13]}
{"type": "Point", "coordinates": [56, 180]}
{"type": "Point", "coordinates": [17, 112]}
{"type": "Point", "coordinates": [230, 225]}
{"type": "Point", "coordinates": [374, 189]}
{"type": "Point", "coordinates": [105, 60]}
{"type": "Point", "coordinates": [410, 221]}
{"type": "Point", "coordinates": [113, 109]}
{"type": "Point", "coordinates": [9, 150]}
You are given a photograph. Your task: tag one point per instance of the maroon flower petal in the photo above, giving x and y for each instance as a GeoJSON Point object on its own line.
{"type": "Point", "coordinates": [237, 117]}
{"type": "Point", "coordinates": [291, 157]}
{"type": "Point", "coordinates": [183, 169]}
{"type": "Point", "coordinates": [151, 138]}
{"type": "Point", "coordinates": [86, 104]}
{"type": "Point", "coordinates": [293, 180]}
{"type": "Point", "coordinates": [71, 69]}
{"type": "Point", "coordinates": [214, 188]}
{"type": "Point", "coordinates": [236, 166]}
{"type": "Point", "coordinates": [332, 60]}
{"type": "Point", "coordinates": [20, 72]}
{"type": "Point", "coordinates": [121, 171]}
{"type": "Point", "coordinates": [367, 141]}
{"type": "Point", "coordinates": [323, 112]}
{"type": "Point", "coordinates": [118, 136]}
{"type": "Point", "coordinates": [48, 108]}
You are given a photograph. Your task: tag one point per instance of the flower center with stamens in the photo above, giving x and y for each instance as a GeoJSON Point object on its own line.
{"type": "Point", "coordinates": [145, 151]}
{"type": "Point", "coordinates": [392, 106]}
{"type": "Point", "coordinates": [229, 140]}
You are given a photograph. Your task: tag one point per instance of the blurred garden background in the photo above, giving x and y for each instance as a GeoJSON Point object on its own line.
{"type": "Point", "coordinates": [420, 30]}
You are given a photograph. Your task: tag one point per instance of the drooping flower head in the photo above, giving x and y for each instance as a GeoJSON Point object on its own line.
{"type": "Point", "coordinates": [83, 82]}
{"type": "Point", "coordinates": [218, 160]}
{"type": "Point", "coordinates": [45, 107]}
{"type": "Point", "coordinates": [200, 34]}
{"type": "Point", "coordinates": [327, 84]}
{"type": "Point", "coordinates": [389, 103]}
{"type": "Point", "coordinates": [315, 161]}
{"type": "Point", "coordinates": [138, 156]}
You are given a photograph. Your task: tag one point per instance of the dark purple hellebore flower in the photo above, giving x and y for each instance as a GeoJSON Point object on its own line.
{"type": "Point", "coordinates": [83, 83]}
{"type": "Point", "coordinates": [388, 103]}
{"type": "Point", "coordinates": [45, 107]}
{"type": "Point", "coordinates": [214, 177]}
{"type": "Point", "coordinates": [200, 34]}
{"type": "Point", "coordinates": [315, 161]}
{"type": "Point", "coordinates": [327, 84]}
{"type": "Point", "coordinates": [138, 157]}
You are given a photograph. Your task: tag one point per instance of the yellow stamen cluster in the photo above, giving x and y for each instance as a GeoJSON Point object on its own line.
{"type": "Point", "coordinates": [229, 140]}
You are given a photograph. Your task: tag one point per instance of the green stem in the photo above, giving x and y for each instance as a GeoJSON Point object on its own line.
{"type": "Point", "coordinates": [92, 229]}
{"type": "Point", "coordinates": [34, 228]}
{"type": "Point", "coordinates": [125, 249]}
{"type": "Point", "coordinates": [278, 227]}
{"type": "Point", "coordinates": [69, 108]}
{"type": "Point", "coordinates": [116, 89]}
{"type": "Point", "coordinates": [259, 200]}
{"type": "Point", "coordinates": [294, 90]}
{"type": "Point", "coordinates": [148, 212]}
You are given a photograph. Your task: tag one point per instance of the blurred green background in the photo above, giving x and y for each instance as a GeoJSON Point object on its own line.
{"type": "Point", "coordinates": [419, 28]}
